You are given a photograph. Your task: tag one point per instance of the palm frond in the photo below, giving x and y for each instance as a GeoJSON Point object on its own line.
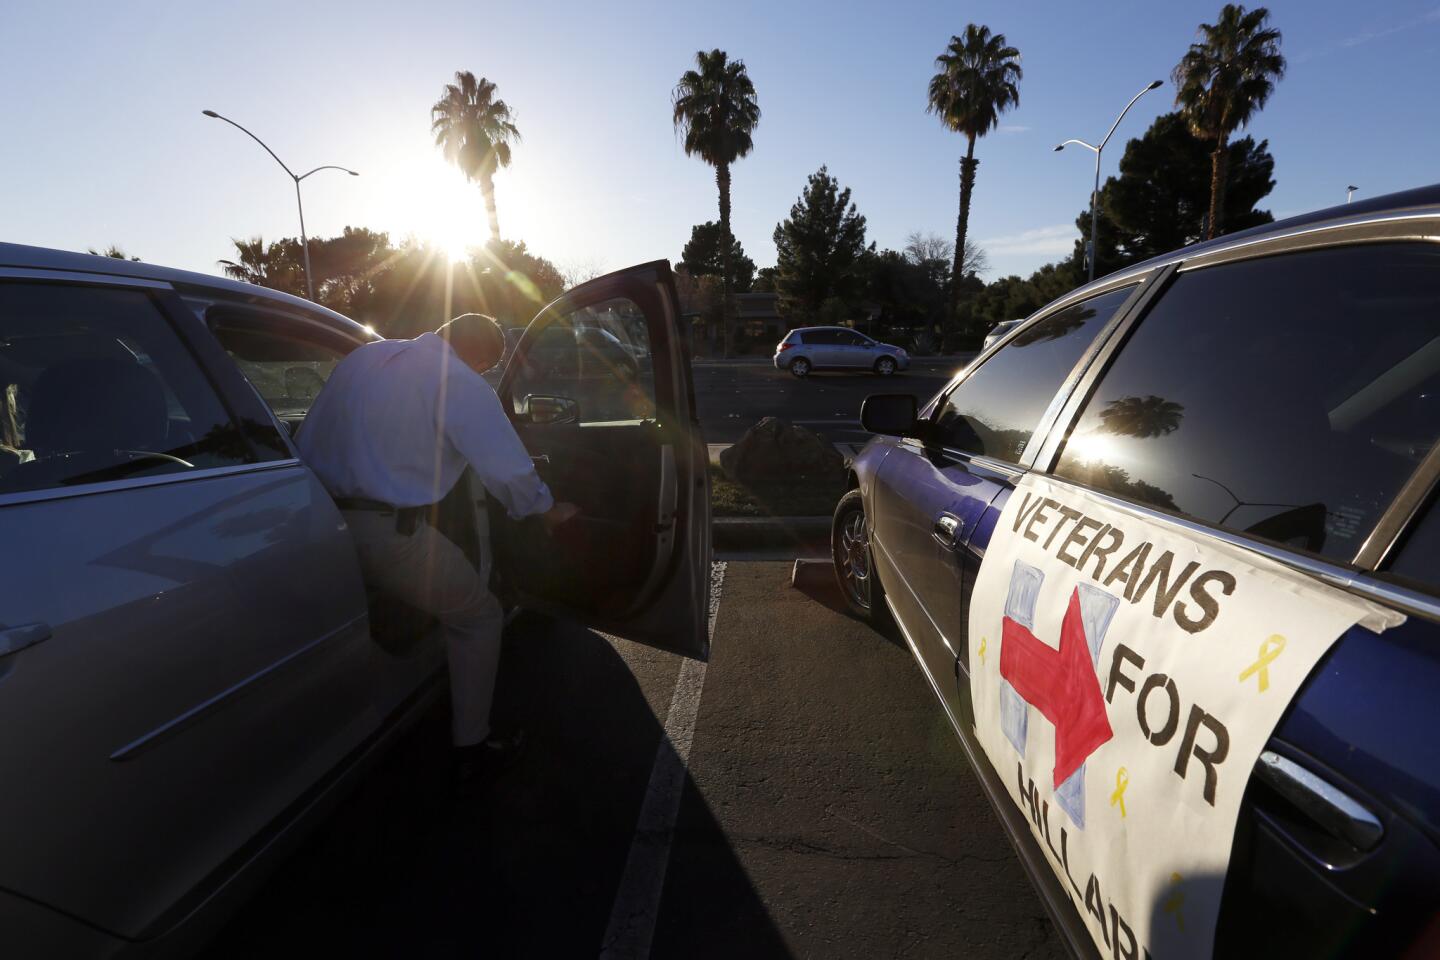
{"type": "Point", "coordinates": [715, 108]}
{"type": "Point", "coordinates": [977, 80]}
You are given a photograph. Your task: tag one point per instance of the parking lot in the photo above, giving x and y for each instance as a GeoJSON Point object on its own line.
{"type": "Point", "coordinates": [824, 809]}
{"type": "Point", "coordinates": [732, 396]}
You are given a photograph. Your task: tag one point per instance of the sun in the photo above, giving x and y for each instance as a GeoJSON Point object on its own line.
{"type": "Point", "coordinates": [458, 251]}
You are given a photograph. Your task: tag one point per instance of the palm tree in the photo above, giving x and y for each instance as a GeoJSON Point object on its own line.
{"type": "Point", "coordinates": [1224, 78]}
{"type": "Point", "coordinates": [1141, 417]}
{"type": "Point", "coordinates": [976, 83]}
{"type": "Point", "coordinates": [475, 131]}
{"type": "Point", "coordinates": [274, 265]}
{"type": "Point", "coordinates": [715, 106]}
{"type": "Point", "coordinates": [114, 252]}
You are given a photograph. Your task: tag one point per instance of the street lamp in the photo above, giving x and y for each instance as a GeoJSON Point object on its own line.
{"type": "Point", "coordinates": [1350, 193]}
{"type": "Point", "coordinates": [1095, 193]}
{"type": "Point", "coordinates": [304, 242]}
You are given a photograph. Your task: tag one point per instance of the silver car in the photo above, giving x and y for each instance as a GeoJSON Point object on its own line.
{"type": "Point", "coordinates": [837, 348]}
{"type": "Point", "coordinates": [190, 668]}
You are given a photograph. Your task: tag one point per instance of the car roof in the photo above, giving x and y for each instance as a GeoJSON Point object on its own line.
{"type": "Point", "coordinates": [1413, 201]}
{"type": "Point", "coordinates": [23, 257]}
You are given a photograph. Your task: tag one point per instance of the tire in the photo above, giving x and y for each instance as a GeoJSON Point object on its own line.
{"type": "Point", "coordinates": [850, 553]}
{"type": "Point", "coordinates": [800, 367]}
{"type": "Point", "coordinates": [885, 366]}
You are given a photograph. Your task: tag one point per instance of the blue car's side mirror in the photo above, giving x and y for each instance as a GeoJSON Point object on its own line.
{"type": "Point", "coordinates": [892, 414]}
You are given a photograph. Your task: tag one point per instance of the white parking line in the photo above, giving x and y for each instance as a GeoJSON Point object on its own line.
{"type": "Point", "coordinates": [637, 899]}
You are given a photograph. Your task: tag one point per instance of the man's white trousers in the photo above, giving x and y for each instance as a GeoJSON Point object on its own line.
{"type": "Point", "coordinates": [429, 572]}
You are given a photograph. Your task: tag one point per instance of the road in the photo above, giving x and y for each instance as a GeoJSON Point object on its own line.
{"type": "Point", "coordinates": [731, 397]}
{"type": "Point", "coordinates": [824, 810]}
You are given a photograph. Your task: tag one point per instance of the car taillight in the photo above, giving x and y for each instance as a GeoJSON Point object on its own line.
{"type": "Point", "coordinates": [785, 346]}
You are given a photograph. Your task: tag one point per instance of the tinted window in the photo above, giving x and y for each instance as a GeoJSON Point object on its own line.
{"type": "Point", "coordinates": [1287, 397]}
{"type": "Point", "coordinates": [287, 363]}
{"type": "Point", "coordinates": [95, 385]}
{"type": "Point", "coordinates": [598, 356]}
{"type": "Point", "coordinates": [822, 337]}
{"type": "Point", "coordinates": [1419, 555]}
{"type": "Point", "coordinates": [849, 338]}
{"type": "Point", "coordinates": [996, 409]}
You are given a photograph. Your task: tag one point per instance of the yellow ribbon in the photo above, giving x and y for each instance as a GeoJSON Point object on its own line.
{"type": "Point", "coordinates": [982, 649]}
{"type": "Point", "coordinates": [1269, 650]}
{"type": "Point", "coordinates": [1122, 780]}
{"type": "Point", "coordinates": [1176, 901]}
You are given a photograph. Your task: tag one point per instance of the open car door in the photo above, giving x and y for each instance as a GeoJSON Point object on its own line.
{"type": "Point", "coordinates": [600, 390]}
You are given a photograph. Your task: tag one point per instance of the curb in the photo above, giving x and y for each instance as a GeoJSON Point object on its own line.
{"type": "Point", "coordinates": [750, 533]}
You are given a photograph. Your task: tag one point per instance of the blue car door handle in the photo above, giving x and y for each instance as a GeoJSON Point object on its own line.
{"type": "Point", "coordinates": [945, 529]}
{"type": "Point", "coordinates": [15, 639]}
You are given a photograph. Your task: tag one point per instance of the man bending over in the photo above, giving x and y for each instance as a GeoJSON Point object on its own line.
{"type": "Point", "coordinates": [389, 435]}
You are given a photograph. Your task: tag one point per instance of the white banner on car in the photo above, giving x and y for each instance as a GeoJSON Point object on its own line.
{"type": "Point", "coordinates": [1126, 674]}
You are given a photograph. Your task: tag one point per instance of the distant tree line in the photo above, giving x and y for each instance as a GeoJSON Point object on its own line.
{"type": "Point", "coordinates": [403, 289]}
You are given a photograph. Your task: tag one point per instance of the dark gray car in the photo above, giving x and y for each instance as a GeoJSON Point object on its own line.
{"type": "Point", "coordinates": [189, 666]}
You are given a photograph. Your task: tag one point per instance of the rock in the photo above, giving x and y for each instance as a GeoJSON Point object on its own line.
{"type": "Point", "coordinates": [776, 449]}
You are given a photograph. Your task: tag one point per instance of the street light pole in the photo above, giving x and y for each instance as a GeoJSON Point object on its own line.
{"type": "Point", "coordinates": [1350, 193]}
{"type": "Point", "coordinates": [1097, 150]}
{"type": "Point", "coordinates": [304, 241]}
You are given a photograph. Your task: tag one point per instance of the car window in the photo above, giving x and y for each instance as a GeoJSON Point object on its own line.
{"type": "Point", "coordinates": [1288, 397]}
{"type": "Point", "coordinates": [996, 408]}
{"type": "Point", "coordinates": [849, 338]}
{"type": "Point", "coordinates": [598, 357]}
{"type": "Point", "coordinates": [822, 337]}
{"type": "Point", "coordinates": [96, 385]}
{"type": "Point", "coordinates": [1418, 559]}
{"type": "Point", "coordinates": [287, 362]}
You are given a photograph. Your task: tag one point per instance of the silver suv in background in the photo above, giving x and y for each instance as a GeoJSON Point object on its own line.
{"type": "Point", "coordinates": [837, 348]}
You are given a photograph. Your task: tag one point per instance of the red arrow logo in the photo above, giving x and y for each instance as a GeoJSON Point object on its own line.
{"type": "Point", "coordinates": [1061, 684]}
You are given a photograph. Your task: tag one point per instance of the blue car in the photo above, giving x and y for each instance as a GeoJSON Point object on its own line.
{"type": "Point", "coordinates": [1275, 394]}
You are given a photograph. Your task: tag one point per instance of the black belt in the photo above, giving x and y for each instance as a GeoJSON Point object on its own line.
{"type": "Point", "coordinates": [406, 518]}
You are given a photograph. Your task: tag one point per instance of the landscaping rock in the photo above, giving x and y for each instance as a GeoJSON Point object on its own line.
{"type": "Point", "coordinates": [775, 450]}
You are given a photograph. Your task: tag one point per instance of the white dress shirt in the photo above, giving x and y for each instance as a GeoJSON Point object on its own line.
{"type": "Point", "coordinates": [399, 420]}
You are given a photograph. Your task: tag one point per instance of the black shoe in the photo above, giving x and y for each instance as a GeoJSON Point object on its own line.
{"type": "Point", "coordinates": [483, 761]}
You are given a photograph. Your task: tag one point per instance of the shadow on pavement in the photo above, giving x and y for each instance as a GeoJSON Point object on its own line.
{"type": "Point", "coordinates": [529, 867]}
{"type": "Point", "coordinates": [817, 581]}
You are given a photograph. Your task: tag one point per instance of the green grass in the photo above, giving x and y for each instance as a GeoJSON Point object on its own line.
{"type": "Point", "coordinates": [803, 497]}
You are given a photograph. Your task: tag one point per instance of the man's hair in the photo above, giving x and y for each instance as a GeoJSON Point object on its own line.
{"type": "Point", "coordinates": [474, 335]}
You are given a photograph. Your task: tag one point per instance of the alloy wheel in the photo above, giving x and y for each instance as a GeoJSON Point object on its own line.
{"type": "Point", "coordinates": [854, 558]}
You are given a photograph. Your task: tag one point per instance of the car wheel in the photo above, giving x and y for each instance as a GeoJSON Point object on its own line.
{"type": "Point", "coordinates": [800, 367]}
{"type": "Point", "coordinates": [885, 366]}
{"type": "Point", "coordinates": [850, 550]}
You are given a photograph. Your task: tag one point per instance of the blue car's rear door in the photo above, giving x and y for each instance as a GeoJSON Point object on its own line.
{"type": "Point", "coordinates": [1285, 404]}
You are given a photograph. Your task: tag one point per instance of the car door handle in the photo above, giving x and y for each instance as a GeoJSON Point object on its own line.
{"type": "Point", "coordinates": [945, 529]}
{"type": "Point", "coordinates": [1338, 813]}
{"type": "Point", "coordinates": [15, 639]}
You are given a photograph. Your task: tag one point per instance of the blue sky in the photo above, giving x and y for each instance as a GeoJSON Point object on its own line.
{"type": "Point", "coordinates": [102, 139]}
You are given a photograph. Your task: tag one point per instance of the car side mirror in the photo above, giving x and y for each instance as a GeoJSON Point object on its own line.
{"type": "Point", "coordinates": [892, 414]}
{"type": "Point", "coordinates": [538, 408]}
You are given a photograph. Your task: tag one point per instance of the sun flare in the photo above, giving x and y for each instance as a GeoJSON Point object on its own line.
{"type": "Point", "coordinates": [458, 251]}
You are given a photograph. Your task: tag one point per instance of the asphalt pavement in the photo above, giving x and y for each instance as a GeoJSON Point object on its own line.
{"type": "Point", "coordinates": [823, 809]}
{"type": "Point", "coordinates": [732, 397]}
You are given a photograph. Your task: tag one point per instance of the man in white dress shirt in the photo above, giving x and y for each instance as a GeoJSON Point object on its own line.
{"type": "Point", "coordinates": [393, 430]}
